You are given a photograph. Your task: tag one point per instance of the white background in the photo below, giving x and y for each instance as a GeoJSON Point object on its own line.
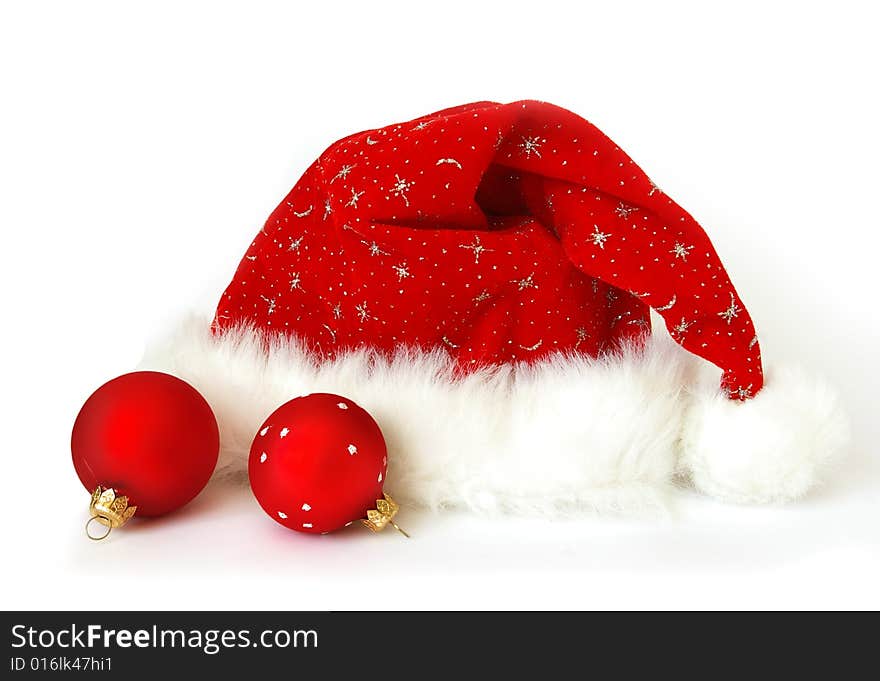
{"type": "Point", "coordinates": [143, 144]}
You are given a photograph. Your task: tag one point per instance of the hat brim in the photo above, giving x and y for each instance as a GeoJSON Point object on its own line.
{"type": "Point", "coordinates": [567, 434]}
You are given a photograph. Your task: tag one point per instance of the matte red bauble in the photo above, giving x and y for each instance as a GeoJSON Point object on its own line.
{"type": "Point", "coordinates": [318, 463]}
{"type": "Point", "coordinates": [144, 439]}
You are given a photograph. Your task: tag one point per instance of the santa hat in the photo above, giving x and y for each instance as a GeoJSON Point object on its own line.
{"type": "Point", "coordinates": [481, 281]}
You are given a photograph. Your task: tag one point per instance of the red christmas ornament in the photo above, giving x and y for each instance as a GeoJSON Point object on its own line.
{"type": "Point", "coordinates": [318, 463]}
{"type": "Point", "coordinates": [144, 440]}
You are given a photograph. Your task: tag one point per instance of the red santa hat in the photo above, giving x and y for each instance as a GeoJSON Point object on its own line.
{"type": "Point", "coordinates": [481, 280]}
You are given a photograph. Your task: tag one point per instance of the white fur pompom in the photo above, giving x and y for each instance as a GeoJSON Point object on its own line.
{"type": "Point", "coordinates": [772, 448]}
{"type": "Point", "coordinates": [563, 434]}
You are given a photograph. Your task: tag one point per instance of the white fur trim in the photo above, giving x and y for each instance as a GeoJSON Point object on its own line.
{"type": "Point", "coordinates": [772, 448]}
{"type": "Point", "coordinates": [565, 434]}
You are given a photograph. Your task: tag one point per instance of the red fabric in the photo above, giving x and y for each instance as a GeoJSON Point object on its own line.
{"type": "Point", "coordinates": [502, 232]}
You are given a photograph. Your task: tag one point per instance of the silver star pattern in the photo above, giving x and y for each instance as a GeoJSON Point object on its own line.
{"type": "Point", "coordinates": [485, 295]}
{"type": "Point", "coordinates": [374, 248]}
{"type": "Point", "coordinates": [599, 238]}
{"type": "Point", "coordinates": [400, 188]}
{"type": "Point", "coordinates": [732, 312]}
{"type": "Point", "coordinates": [362, 312]}
{"type": "Point", "coordinates": [624, 211]}
{"type": "Point", "coordinates": [531, 145]}
{"type": "Point", "coordinates": [295, 244]}
{"type": "Point", "coordinates": [477, 248]}
{"type": "Point", "coordinates": [271, 302]}
{"type": "Point", "coordinates": [682, 326]}
{"type": "Point", "coordinates": [528, 282]}
{"type": "Point", "coordinates": [355, 197]}
{"type": "Point", "coordinates": [679, 250]}
{"type": "Point", "coordinates": [343, 172]}
{"type": "Point", "coordinates": [741, 393]}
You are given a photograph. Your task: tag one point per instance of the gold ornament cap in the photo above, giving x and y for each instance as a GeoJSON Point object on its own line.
{"type": "Point", "coordinates": [380, 517]}
{"type": "Point", "coordinates": [108, 509]}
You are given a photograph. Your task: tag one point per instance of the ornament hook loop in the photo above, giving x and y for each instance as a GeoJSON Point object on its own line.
{"type": "Point", "coordinates": [104, 522]}
{"type": "Point", "coordinates": [109, 509]}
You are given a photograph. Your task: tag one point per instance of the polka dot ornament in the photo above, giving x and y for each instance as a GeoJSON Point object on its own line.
{"type": "Point", "coordinates": [318, 463]}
